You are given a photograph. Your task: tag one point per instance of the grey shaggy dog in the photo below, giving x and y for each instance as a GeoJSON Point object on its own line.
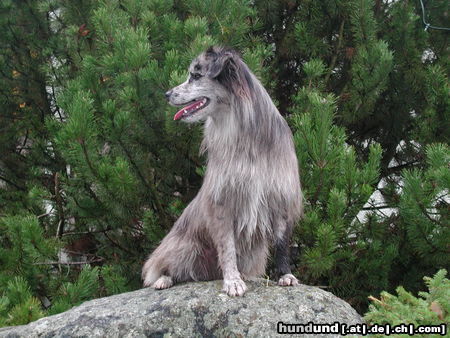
{"type": "Point", "coordinates": [250, 197]}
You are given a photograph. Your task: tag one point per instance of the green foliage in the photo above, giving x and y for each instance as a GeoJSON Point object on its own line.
{"type": "Point", "coordinates": [337, 245]}
{"type": "Point", "coordinates": [430, 308]}
{"type": "Point", "coordinates": [71, 294]}
{"type": "Point", "coordinates": [17, 305]}
{"type": "Point", "coordinates": [151, 228]}
{"type": "Point", "coordinates": [424, 208]}
{"type": "Point", "coordinates": [370, 72]}
{"type": "Point", "coordinates": [107, 159]}
{"type": "Point", "coordinates": [434, 123]}
{"type": "Point", "coordinates": [26, 260]}
{"type": "Point", "coordinates": [113, 279]}
{"type": "Point", "coordinates": [93, 170]}
{"type": "Point", "coordinates": [22, 246]}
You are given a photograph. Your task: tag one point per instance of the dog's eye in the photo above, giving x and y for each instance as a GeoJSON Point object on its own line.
{"type": "Point", "coordinates": [196, 76]}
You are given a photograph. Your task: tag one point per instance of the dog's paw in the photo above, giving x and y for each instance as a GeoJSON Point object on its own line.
{"type": "Point", "coordinates": [288, 279]}
{"type": "Point", "coordinates": [234, 287]}
{"type": "Point", "coordinates": [147, 282]}
{"type": "Point", "coordinates": [163, 282]}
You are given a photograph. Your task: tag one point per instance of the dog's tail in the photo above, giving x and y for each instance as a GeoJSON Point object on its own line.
{"type": "Point", "coordinates": [163, 259]}
{"type": "Point", "coordinates": [151, 271]}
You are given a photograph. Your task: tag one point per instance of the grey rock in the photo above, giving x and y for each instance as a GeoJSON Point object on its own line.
{"type": "Point", "coordinates": [197, 309]}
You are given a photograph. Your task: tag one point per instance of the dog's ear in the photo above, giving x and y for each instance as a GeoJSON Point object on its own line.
{"type": "Point", "coordinates": [220, 63]}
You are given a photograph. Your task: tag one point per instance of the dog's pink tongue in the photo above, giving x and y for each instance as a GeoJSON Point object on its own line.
{"type": "Point", "coordinates": [179, 113]}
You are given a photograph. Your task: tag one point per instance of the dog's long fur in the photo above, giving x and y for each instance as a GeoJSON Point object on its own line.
{"type": "Point", "coordinates": [250, 197]}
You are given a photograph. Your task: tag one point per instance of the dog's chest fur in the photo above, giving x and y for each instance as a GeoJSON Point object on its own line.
{"type": "Point", "coordinates": [239, 180]}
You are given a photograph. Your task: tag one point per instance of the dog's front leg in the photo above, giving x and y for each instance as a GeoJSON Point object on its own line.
{"type": "Point", "coordinates": [224, 241]}
{"type": "Point", "coordinates": [282, 257]}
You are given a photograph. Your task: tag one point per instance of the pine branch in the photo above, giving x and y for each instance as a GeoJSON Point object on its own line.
{"type": "Point", "coordinates": [93, 171]}
{"type": "Point", "coordinates": [59, 207]}
{"type": "Point", "coordinates": [87, 158]}
{"type": "Point", "coordinates": [319, 187]}
{"type": "Point", "coordinates": [422, 232]}
{"type": "Point", "coordinates": [12, 183]}
{"type": "Point", "coordinates": [426, 214]}
{"type": "Point", "coordinates": [379, 208]}
{"type": "Point", "coordinates": [118, 245]}
{"type": "Point", "coordinates": [149, 185]}
{"type": "Point", "coordinates": [335, 56]}
{"type": "Point", "coordinates": [400, 167]}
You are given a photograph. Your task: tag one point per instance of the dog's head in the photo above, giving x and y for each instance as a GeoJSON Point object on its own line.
{"type": "Point", "coordinates": [213, 76]}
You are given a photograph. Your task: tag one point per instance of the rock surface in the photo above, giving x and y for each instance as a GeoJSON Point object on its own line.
{"type": "Point", "coordinates": [194, 310]}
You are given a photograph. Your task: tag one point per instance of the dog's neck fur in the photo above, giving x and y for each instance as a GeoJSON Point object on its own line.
{"type": "Point", "coordinates": [243, 126]}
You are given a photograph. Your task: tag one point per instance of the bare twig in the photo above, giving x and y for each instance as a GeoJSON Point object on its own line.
{"type": "Point", "coordinates": [70, 263]}
{"type": "Point", "coordinates": [373, 207]}
{"type": "Point", "coordinates": [59, 207]}
{"type": "Point", "coordinates": [73, 233]}
{"type": "Point", "coordinates": [118, 245]}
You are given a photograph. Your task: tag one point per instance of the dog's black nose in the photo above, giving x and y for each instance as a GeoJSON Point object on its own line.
{"type": "Point", "coordinates": [168, 93]}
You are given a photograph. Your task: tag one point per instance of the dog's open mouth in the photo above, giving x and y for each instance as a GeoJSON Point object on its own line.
{"type": "Point", "coordinates": [193, 107]}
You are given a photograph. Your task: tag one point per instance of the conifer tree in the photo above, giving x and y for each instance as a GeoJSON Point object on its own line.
{"type": "Point", "coordinates": [430, 308]}
{"type": "Point", "coordinates": [377, 57]}
{"type": "Point", "coordinates": [337, 248]}
{"type": "Point", "coordinates": [373, 69]}
{"type": "Point", "coordinates": [93, 167]}
{"type": "Point", "coordinates": [128, 168]}
{"type": "Point", "coordinates": [27, 163]}
{"type": "Point", "coordinates": [129, 162]}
